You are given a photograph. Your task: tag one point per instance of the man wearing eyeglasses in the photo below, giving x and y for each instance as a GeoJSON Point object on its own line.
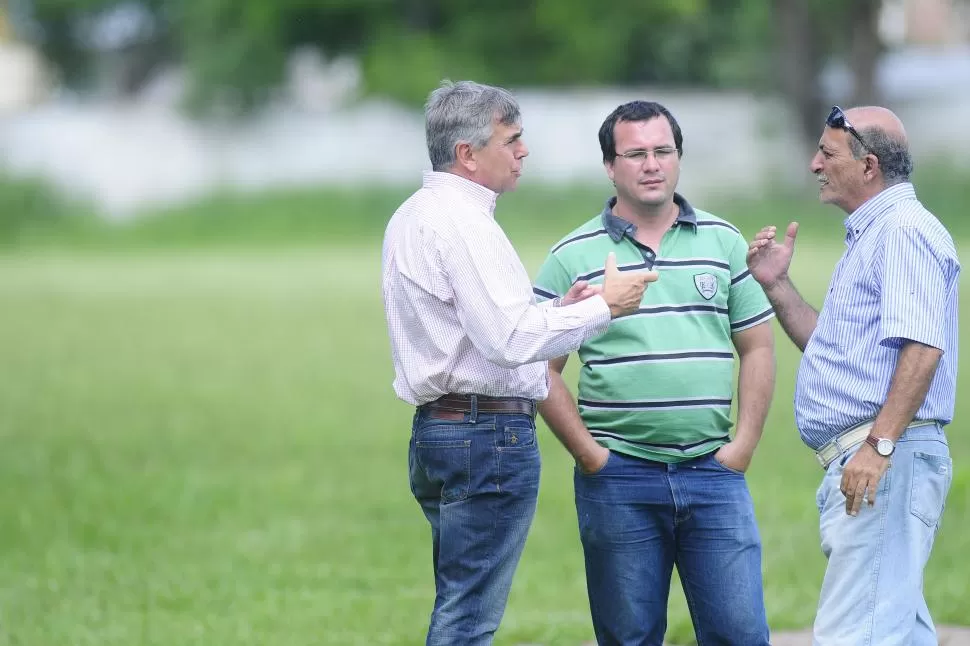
{"type": "Point", "coordinates": [659, 481]}
{"type": "Point", "coordinates": [876, 383]}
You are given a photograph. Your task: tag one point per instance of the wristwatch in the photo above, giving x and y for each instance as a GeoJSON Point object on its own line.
{"type": "Point", "coordinates": [883, 446]}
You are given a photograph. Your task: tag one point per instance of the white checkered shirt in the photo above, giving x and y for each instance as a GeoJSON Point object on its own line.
{"type": "Point", "coordinates": [460, 310]}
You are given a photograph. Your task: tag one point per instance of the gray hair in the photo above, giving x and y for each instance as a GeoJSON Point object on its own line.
{"type": "Point", "coordinates": [463, 112]}
{"type": "Point", "coordinates": [895, 160]}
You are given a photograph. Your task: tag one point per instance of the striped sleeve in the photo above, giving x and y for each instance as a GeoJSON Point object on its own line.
{"type": "Point", "coordinates": [747, 303]}
{"type": "Point", "coordinates": [552, 281]}
{"type": "Point", "coordinates": [914, 290]}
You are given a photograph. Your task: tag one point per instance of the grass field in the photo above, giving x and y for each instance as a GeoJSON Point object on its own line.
{"type": "Point", "coordinates": [201, 446]}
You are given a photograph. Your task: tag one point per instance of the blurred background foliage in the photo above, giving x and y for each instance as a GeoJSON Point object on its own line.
{"type": "Point", "coordinates": [235, 50]}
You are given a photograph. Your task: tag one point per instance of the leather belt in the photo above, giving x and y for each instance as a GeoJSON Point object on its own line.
{"type": "Point", "coordinates": [482, 404]}
{"type": "Point", "coordinates": [853, 438]}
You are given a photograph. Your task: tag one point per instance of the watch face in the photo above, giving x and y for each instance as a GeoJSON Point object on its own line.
{"type": "Point", "coordinates": [884, 447]}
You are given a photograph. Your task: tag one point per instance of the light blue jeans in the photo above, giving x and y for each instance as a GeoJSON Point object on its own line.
{"type": "Point", "coordinates": [872, 593]}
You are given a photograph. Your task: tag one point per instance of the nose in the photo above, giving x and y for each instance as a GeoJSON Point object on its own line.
{"type": "Point", "coordinates": [816, 164]}
{"type": "Point", "coordinates": [650, 162]}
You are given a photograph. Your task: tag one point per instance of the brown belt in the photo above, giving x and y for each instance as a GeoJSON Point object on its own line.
{"type": "Point", "coordinates": [464, 404]}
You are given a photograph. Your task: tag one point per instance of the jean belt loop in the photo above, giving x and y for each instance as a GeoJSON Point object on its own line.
{"type": "Point", "coordinates": [474, 406]}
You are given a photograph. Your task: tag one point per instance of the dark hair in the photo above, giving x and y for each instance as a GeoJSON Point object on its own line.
{"type": "Point", "coordinates": [895, 161]}
{"type": "Point", "coordinates": [636, 111]}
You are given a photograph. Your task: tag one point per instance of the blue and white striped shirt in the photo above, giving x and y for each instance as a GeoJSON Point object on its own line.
{"type": "Point", "coordinates": [896, 281]}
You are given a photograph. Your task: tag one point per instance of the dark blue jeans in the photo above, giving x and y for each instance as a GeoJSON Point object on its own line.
{"type": "Point", "coordinates": [638, 518]}
{"type": "Point", "coordinates": [477, 481]}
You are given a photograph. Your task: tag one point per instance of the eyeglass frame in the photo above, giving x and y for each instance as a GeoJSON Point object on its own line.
{"type": "Point", "coordinates": [642, 154]}
{"type": "Point", "coordinates": [837, 119]}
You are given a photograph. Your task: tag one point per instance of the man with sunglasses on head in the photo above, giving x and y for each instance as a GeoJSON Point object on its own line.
{"type": "Point", "coordinates": [876, 383]}
{"type": "Point", "coordinates": [659, 480]}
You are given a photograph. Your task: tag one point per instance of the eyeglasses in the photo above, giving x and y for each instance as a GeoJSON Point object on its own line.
{"type": "Point", "coordinates": [837, 120]}
{"type": "Point", "coordinates": [640, 155]}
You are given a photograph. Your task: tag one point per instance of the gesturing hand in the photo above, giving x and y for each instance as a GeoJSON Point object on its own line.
{"type": "Point", "coordinates": [768, 259]}
{"type": "Point", "coordinates": [623, 291]}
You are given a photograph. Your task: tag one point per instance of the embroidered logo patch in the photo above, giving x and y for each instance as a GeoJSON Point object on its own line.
{"type": "Point", "coordinates": [706, 285]}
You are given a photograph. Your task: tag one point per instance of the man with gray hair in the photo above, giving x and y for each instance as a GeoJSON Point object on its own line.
{"type": "Point", "coordinates": [469, 346]}
{"type": "Point", "coordinates": [876, 383]}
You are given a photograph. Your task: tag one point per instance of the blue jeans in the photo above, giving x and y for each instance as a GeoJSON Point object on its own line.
{"type": "Point", "coordinates": [638, 518]}
{"type": "Point", "coordinates": [477, 481]}
{"type": "Point", "coordinates": [873, 587]}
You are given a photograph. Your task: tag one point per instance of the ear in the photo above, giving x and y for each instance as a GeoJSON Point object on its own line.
{"type": "Point", "coordinates": [465, 156]}
{"type": "Point", "coordinates": [609, 170]}
{"type": "Point", "coordinates": [872, 169]}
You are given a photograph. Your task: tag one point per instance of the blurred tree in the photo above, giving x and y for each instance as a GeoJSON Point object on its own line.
{"type": "Point", "coordinates": [807, 34]}
{"type": "Point", "coordinates": [864, 49]}
{"type": "Point", "coordinates": [4, 22]}
{"type": "Point", "coordinates": [235, 51]}
{"type": "Point", "coordinates": [800, 52]}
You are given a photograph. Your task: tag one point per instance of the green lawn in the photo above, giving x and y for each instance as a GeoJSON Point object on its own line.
{"type": "Point", "coordinates": [202, 447]}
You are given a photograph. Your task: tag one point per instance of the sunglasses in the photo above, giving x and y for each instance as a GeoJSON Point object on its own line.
{"type": "Point", "coordinates": [837, 120]}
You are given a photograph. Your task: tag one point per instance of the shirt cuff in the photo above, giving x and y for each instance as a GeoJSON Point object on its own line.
{"type": "Point", "coordinates": [894, 336]}
{"type": "Point", "coordinates": [596, 311]}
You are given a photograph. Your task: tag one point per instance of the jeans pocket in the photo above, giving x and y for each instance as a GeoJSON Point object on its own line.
{"type": "Point", "coordinates": [516, 436]}
{"type": "Point", "coordinates": [593, 474]}
{"type": "Point", "coordinates": [518, 460]}
{"type": "Point", "coordinates": [931, 482]}
{"type": "Point", "coordinates": [724, 467]}
{"type": "Point", "coordinates": [447, 462]}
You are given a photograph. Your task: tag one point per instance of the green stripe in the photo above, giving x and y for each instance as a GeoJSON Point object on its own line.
{"type": "Point", "coordinates": [690, 309]}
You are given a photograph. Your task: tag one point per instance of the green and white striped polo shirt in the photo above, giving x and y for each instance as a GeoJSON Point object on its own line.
{"type": "Point", "coordinates": [659, 383]}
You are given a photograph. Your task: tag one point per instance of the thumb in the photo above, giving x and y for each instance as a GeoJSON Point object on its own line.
{"type": "Point", "coordinates": [579, 286]}
{"type": "Point", "coordinates": [790, 235]}
{"type": "Point", "coordinates": [610, 264]}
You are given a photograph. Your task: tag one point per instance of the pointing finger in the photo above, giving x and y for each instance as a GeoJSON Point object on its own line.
{"type": "Point", "coordinates": [610, 264]}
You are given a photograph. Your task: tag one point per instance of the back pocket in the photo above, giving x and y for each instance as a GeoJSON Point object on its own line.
{"type": "Point", "coordinates": [932, 475]}
{"type": "Point", "coordinates": [516, 436]}
{"type": "Point", "coordinates": [448, 464]}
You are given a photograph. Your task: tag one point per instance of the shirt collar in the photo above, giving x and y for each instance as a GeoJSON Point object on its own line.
{"type": "Point", "coordinates": [475, 192]}
{"type": "Point", "coordinates": [617, 227]}
{"type": "Point", "coordinates": [860, 219]}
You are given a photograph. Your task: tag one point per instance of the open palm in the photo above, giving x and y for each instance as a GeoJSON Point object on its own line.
{"type": "Point", "coordinates": [768, 259]}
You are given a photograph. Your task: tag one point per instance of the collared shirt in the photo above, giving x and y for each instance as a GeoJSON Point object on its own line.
{"type": "Point", "coordinates": [659, 384]}
{"type": "Point", "coordinates": [896, 282]}
{"type": "Point", "coordinates": [459, 305]}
